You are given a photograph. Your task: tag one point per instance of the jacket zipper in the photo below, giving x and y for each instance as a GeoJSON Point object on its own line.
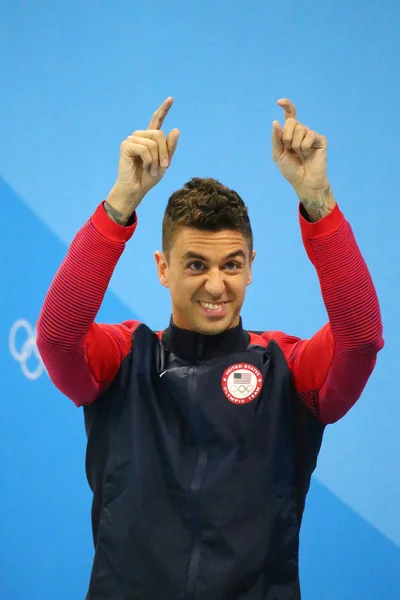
{"type": "Point", "coordinates": [195, 488]}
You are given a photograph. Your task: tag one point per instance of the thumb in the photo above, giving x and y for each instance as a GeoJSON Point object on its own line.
{"type": "Point", "coordinates": [277, 145]}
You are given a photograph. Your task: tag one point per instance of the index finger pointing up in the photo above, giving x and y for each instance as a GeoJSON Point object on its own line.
{"type": "Point", "coordinates": [158, 117]}
{"type": "Point", "coordinates": [288, 107]}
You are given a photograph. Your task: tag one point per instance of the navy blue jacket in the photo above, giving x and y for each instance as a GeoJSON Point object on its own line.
{"type": "Point", "coordinates": [197, 497]}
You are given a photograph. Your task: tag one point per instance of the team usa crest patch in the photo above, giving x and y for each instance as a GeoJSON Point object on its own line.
{"type": "Point", "coordinates": [241, 383]}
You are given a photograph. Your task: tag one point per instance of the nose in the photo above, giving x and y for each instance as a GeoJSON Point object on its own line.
{"type": "Point", "coordinates": [215, 284]}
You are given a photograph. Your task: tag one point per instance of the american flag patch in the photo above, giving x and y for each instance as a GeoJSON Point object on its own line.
{"type": "Point", "coordinates": [242, 377]}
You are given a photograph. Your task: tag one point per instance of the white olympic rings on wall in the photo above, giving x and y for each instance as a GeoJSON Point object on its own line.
{"type": "Point", "coordinates": [28, 349]}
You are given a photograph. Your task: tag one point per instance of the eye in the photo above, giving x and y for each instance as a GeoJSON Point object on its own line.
{"type": "Point", "coordinates": [232, 266]}
{"type": "Point", "coordinates": [196, 266]}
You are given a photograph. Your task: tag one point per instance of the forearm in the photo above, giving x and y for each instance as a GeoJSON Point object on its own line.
{"type": "Point", "coordinates": [78, 289]}
{"type": "Point", "coordinates": [348, 291]}
{"type": "Point", "coordinates": [342, 357]}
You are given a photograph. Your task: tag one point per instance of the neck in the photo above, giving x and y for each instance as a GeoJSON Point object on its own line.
{"type": "Point", "coordinates": [196, 347]}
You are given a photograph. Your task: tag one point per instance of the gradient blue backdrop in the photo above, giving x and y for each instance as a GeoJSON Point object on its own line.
{"type": "Point", "coordinates": [76, 78]}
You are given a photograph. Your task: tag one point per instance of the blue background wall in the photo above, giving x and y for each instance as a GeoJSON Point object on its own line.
{"type": "Point", "coordinates": [76, 79]}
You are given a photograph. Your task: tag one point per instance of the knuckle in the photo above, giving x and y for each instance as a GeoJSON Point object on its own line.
{"type": "Point", "coordinates": [145, 156]}
{"type": "Point", "coordinates": [158, 135]}
{"type": "Point", "coordinates": [153, 145]}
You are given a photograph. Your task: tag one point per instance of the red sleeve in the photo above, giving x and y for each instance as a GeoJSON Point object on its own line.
{"type": "Point", "coordinates": [332, 368]}
{"type": "Point", "coordinates": [83, 357]}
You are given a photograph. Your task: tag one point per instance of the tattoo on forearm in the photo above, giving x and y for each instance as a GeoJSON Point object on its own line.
{"type": "Point", "coordinates": [115, 214]}
{"type": "Point", "coordinates": [319, 208]}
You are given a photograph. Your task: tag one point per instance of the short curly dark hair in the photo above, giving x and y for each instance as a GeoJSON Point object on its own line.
{"type": "Point", "coordinates": [205, 204]}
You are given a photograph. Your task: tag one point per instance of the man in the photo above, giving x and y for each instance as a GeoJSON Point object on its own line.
{"type": "Point", "coordinates": [202, 438]}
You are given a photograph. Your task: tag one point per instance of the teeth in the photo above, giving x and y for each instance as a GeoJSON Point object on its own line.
{"type": "Point", "coordinates": [211, 306]}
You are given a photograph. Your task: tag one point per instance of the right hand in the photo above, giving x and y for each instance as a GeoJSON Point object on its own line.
{"type": "Point", "coordinates": [144, 158]}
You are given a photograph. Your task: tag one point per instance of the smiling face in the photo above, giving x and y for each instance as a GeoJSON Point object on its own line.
{"type": "Point", "coordinates": [207, 273]}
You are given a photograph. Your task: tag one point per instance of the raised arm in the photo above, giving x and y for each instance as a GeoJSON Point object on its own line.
{"type": "Point", "coordinates": [83, 357]}
{"type": "Point", "coordinates": [332, 368]}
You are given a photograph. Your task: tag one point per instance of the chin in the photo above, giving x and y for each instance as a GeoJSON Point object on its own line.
{"type": "Point", "coordinates": [212, 328]}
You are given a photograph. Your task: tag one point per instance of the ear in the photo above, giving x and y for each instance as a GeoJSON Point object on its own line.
{"type": "Point", "coordinates": [250, 276]}
{"type": "Point", "coordinates": [162, 267]}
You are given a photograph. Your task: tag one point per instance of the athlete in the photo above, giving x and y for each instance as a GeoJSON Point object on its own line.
{"type": "Point", "coordinates": [202, 438]}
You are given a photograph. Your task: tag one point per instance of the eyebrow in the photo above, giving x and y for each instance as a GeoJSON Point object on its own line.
{"type": "Point", "coordinates": [234, 254]}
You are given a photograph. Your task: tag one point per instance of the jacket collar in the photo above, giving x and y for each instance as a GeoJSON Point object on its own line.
{"type": "Point", "coordinates": [195, 347]}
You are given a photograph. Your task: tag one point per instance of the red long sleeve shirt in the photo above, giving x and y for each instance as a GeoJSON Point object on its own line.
{"type": "Point", "coordinates": [330, 370]}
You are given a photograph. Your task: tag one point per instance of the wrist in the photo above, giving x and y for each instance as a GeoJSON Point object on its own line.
{"type": "Point", "coordinates": [121, 204]}
{"type": "Point", "coordinates": [318, 203]}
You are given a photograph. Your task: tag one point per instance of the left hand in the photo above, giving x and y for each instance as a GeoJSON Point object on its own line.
{"type": "Point", "coordinates": [299, 152]}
